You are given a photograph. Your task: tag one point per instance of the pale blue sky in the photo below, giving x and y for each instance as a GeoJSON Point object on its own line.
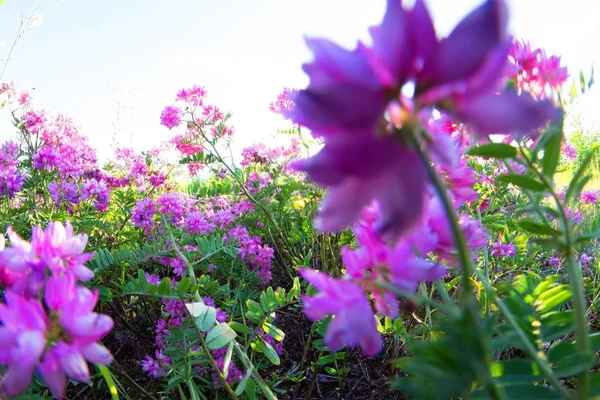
{"type": "Point", "coordinates": [89, 54]}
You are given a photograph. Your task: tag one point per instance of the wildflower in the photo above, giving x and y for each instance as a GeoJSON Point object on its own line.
{"type": "Point", "coordinates": [194, 96]}
{"type": "Point", "coordinates": [171, 117]}
{"type": "Point", "coordinates": [373, 261]}
{"type": "Point", "coordinates": [354, 322]}
{"type": "Point", "coordinates": [589, 196]}
{"type": "Point", "coordinates": [368, 157]}
{"type": "Point", "coordinates": [143, 213]}
{"type": "Point", "coordinates": [33, 339]}
{"type": "Point", "coordinates": [283, 103]}
{"type": "Point", "coordinates": [500, 249]}
{"type": "Point", "coordinates": [568, 151]}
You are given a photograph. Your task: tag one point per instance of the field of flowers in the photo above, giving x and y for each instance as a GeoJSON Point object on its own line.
{"type": "Point", "coordinates": [424, 230]}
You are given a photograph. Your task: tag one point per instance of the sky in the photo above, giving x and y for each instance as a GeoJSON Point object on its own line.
{"type": "Point", "coordinates": [113, 65]}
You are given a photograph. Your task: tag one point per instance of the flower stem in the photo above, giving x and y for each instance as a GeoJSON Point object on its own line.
{"type": "Point", "coordinates": [582, 341]}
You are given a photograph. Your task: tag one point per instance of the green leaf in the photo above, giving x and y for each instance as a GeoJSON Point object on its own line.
{"type": "Point", "coordinates": [183, 286]}
{"type": "Point", "coordinates": [493, 150]}
{"type": "Point", "coordinates": [236, 326]}
{"type": "Point", "coordinates": [220, 336]}
{"type": "Point", "coordinates": [227, 359]}
{"type": "Point", "coordinates": [165, 288]}
{"type": "Point", "coordinates": [552, 150]}
{"type": "Point", "coordinates": [588, 237]}
{"type": "Point", "coordinates": [250, 390]}
{"type": "Point", "coordinates": [516, 371]}
{"type": "Point", "coordinates": [539, 228]}
{"type": "Point", "coordinates": [294, 293]}
{"type": "Point", "coordinates": [142, 281]}
{"type": "Point", "coordinates": [242, 385]}
{"type": "Point", "coordinates": [566, 349]}
{"type": "Point", "coordinates": [275, 332]}
{"type": "Point", "coordinates": [206, 316]}
{"type": "Point", "coordinates": [269, 352]}
{"type": "Point", "coordinates": [324, 360]}
{"type": "Point", "coordinates": [546, 303]}
{"type": "Point", "coordinates": [522, 181]}
{"type": "Point", "coordinates": [520, 391]}
{"type": "Point", "coordinates": [573, 365]}
{"type": "Point", "coordinates": [255, 307]}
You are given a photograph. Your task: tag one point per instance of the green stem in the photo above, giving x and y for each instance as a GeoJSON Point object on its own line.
{"type": "Point", "coordinates": [582, 341]}
{"type": "Point", "coordinates": [486, 268]}
{"type": "Point", "coordinates": [208, 354]}
{"type": "Point", "coordinates": [464, 257]}
{"type": "Point", "coordinates": [236, 346]}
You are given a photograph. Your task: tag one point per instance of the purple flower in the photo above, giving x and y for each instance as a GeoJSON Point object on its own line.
{"type": "Point", "coordinates": [142, 213]}
{"type": "Point", "coordinates": [367, 155]}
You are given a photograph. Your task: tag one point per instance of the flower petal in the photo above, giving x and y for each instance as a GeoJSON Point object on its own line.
{"type": "Point", "coordinates": [505, 113]}
{"type": "Point", "coordinates": [462, 53]}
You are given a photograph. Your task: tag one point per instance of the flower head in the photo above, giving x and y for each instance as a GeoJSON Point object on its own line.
{"type": "Point", "coordinates": [370, 154]}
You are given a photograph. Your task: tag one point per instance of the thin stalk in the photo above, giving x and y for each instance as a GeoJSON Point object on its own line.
{"type": "Point", "coordinates": [236, 346]}
{"type": "Point", "coordinates": [464, 256]}
{"type": "Point", "coordinates": [486, 268]}
{"type": "Point", "coordinates": [582, 341]}
{"type": "Point", "coordinates": [208, 354]}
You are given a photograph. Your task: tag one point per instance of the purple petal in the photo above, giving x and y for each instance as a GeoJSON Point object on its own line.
{"type": "Point", "coordinates": [343, 204]}
{"type": "Point", "coordinates": [53, 375]}
{"type": "Point", "coordinates": [462, 53]}
{"type": "Point", "coordinates": [343, 93]}
{"type": "Point", "coordinates": [505, 113]}
{"type": "Point", "coordinates": [356, 325]}
{"type": "Point", "coordinates": [392, 46]}
{"type": "Point", "coordinates": [96, 353]}
{"type": "Point", "coordinates": [72, 362]}
{"type": "Point", "coordinates": [345, 156]}
{"type": "Point", "coordinates": [401, 195]}
{"type": "Point", "coordinates": [340, 108]}
{"type": "Point", "coordinates": [30, 346]}
{"type": "Point", "coordinates": [422, 31]}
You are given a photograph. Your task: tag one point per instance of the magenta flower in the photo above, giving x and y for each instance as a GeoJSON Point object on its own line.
{"type": "Point", "coordinates": [589, 196]}
{"type": "Point", "coordinates": [500, 249]}
{"type": "Point", "coordinates": [29, 338]}
{"type": "Point", "coordinates": [171, 117]}
{"type": "Point", "coordinates": [347, 298]}
{"type": "Point", "coordinates": [354, 322]}
{"type": "Point", "coordinates": [366, 154]}
{"type": "Point", "coordinates": [56, 249]}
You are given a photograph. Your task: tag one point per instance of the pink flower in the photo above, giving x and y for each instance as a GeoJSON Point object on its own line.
{"type": "Point", "coordinates": [589, 196]}
{"type": "Point", "coordinates": [353, 323]}
{"type": "Point", "coordinates": [171, 117]}
{"type": "Point", "coordinates": [283, 103]}
{"type": "Point", "coordinates": [56, 249]}
{"type": "Point", "coordinates": [194, 96]}
{"type": "Point", "coordinates": [500, 249]}
{"type": "Point", "coordinates": [30, 338]}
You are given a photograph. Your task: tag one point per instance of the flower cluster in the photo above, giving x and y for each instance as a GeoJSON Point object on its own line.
{"type": "Point", "coordinates": [357, 103]}
{"type": "Point", "coordinates": [375, 261]}
{"type": "Point", "coordinates": [533, 71]}
{"type": "Point", "coordinates": [60, 338]}
{"type": "Point", "coordinates": [283, 103]}
{"type": "Point", "coordinates": [500, 249]}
